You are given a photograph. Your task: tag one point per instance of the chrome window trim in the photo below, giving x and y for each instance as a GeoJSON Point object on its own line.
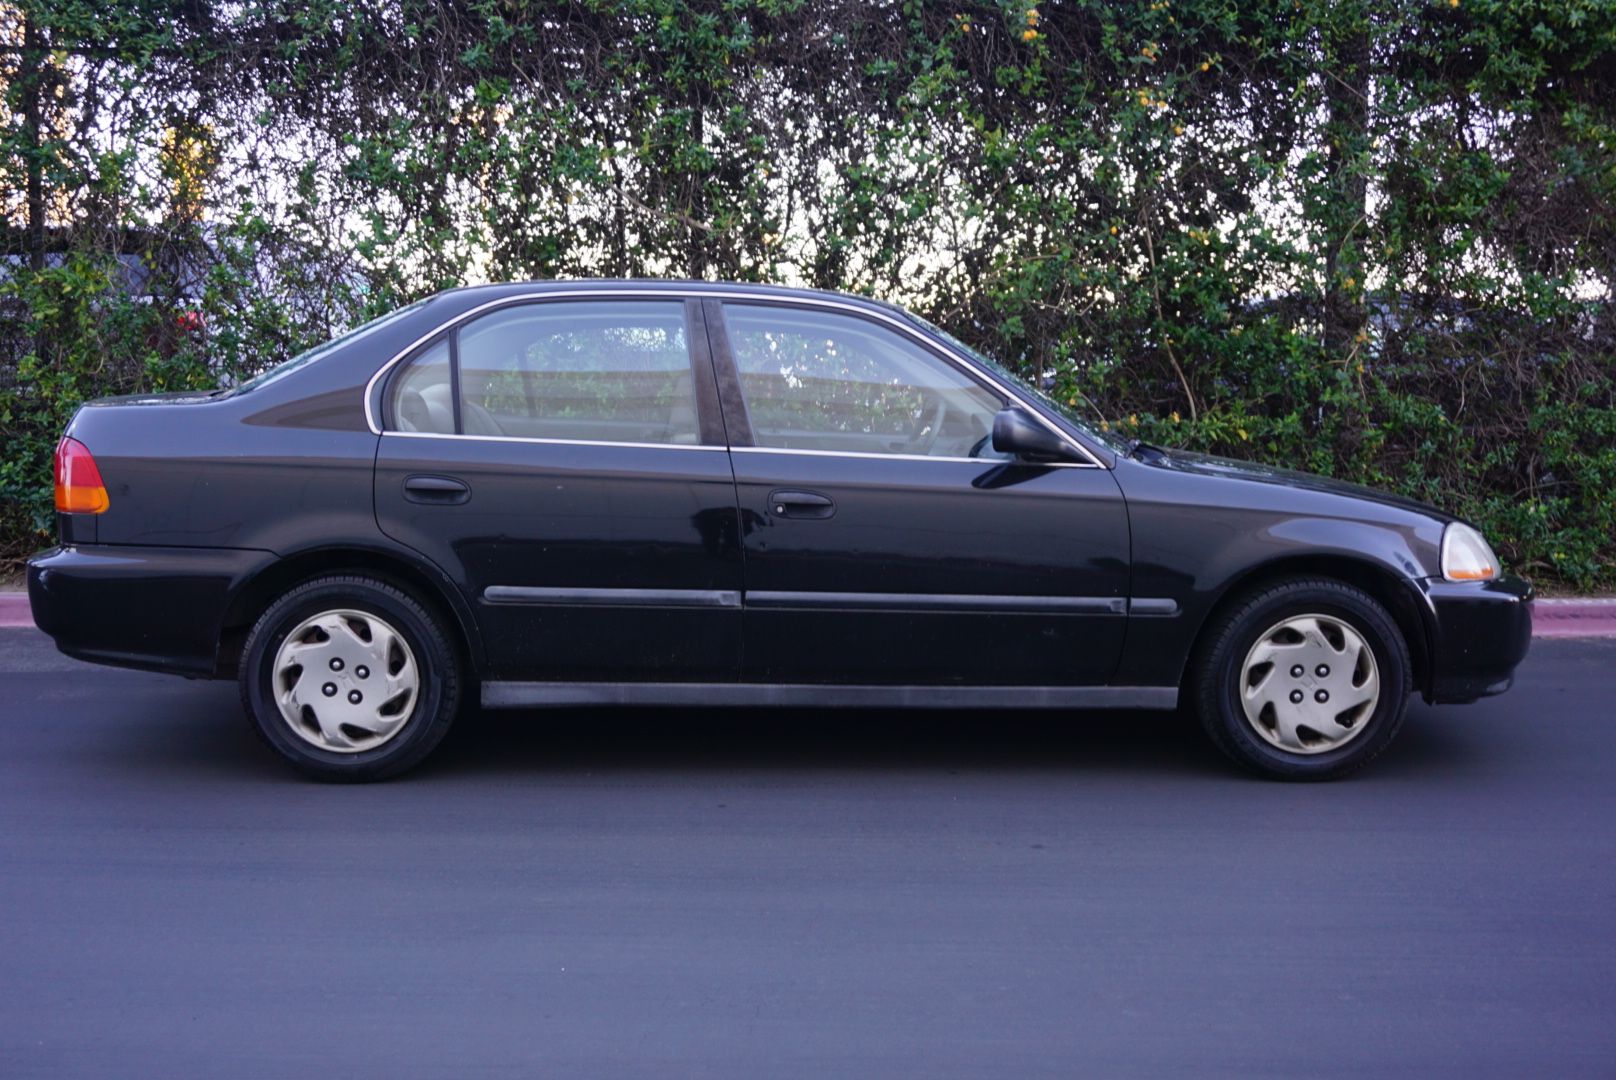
{"type": "Point", "coordinates": [909, 457]}
{"type": "Point", "coordinates": [732, 449]}
{"type": "Point", "coordinates": [553, 442]}
{"type": "Point", "coordinates": [671, 295]}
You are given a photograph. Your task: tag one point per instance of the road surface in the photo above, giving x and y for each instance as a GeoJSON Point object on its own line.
{"type": "Point", "coordinates": [834, 894]}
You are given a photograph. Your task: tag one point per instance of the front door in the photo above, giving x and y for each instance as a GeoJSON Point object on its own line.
{"type": "Point", "coordinates": [564, 463]}
{"type": "Point", "coordinates": [885, 540]}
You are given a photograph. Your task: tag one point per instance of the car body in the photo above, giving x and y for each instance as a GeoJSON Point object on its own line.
{"type": "Point", "coordinates": [697, 493]}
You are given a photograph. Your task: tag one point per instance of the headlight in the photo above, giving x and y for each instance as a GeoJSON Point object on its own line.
{"type": "Point", "coordinates": [1466, 556]}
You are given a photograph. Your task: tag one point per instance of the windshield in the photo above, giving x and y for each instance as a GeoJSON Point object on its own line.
{"type": "Point", "coordinates": [1068, 412]}
{"type": "Point", "coordinates": [303, 359]}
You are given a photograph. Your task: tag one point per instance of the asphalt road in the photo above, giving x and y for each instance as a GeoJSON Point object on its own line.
{"type": "Point", "coordinates": [667, 894]}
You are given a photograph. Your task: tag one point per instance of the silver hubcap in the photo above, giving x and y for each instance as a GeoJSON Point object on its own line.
{"type": "Point", "coordinates": [1309, 684]}
{"type": "Point", "coordinates": [345, 681]}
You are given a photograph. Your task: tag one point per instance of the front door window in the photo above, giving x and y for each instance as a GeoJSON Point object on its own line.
{"type": "Point", "coordinates": [818, 380]}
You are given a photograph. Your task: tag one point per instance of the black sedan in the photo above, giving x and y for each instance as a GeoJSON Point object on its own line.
{"type": "Point", "coordinates": [702, 494]}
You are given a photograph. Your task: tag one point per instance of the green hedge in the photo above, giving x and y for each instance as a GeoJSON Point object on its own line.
{"type": "Point", "coordinates": [1370, 239]}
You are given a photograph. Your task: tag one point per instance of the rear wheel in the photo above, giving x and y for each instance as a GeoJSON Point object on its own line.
{"type": "Point", "coordinates": [1307, 679]}
{"type": "Point", "coordinates": [349, 678]}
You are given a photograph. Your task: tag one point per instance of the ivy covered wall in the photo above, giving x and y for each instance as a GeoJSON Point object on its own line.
{"type": "Point", "coordinates": [1368, 238]}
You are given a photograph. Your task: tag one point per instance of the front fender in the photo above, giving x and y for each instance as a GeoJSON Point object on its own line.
{"type": "Point", "coordinates": [1198, 541]}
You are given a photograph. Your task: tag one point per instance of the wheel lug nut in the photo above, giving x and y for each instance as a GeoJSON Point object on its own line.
{"type": "Point", "coordinates": [355, 697]}
{"type": "Point", "coordinates": [362, 671]}
{"type": "Point", "coordinates": [1297, 670]}
{"type": "Point", "coordinates": [1322, 696]}
{"type": "Point", "coordinates": [1322, 671]}
{"type": "Point", "coordinates": [1296, 697]}
{"type": "Point", "coordinates": [329, 689]}
{"type": "Point", "coordinates": [336, 663]}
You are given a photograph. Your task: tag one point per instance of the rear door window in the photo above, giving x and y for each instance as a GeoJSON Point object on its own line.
{"type": "Point", "coordinates": [575, 371]}
{"type": "Point", "coordinates": [589, 371]}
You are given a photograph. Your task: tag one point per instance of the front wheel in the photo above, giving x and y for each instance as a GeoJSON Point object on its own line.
{"type": "Point", "coordinates": [1305, 680]}
{"type": "Point", "coordinates": [349, 678]}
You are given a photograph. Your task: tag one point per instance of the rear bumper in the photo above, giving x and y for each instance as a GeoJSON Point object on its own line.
{"type": "Point", "coordinates": [1481, 633]}
{"type": "Point", "coordinates": [156, 608]}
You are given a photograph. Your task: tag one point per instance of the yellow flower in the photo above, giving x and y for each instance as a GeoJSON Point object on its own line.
{"type": "Point", "coordinates": [1453, 3]}
{"type": "Point", "coordinates": [1205, 66]}
{"type": "Point", "coordinates": [1113, 230]}
{"type": "Point", "coordinates": [1178, 129]}
{"type": "Point", "coordinates": [1028, 34]}
{"type": "Point", "coordinates": [1032, 16]}
{"type": "Point", "coordinates": [1175, 416]}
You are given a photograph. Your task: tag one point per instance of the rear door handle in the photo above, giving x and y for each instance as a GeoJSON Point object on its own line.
{"type": "Point", "coordinates": [801, 504]}
{"type": "Point", "coordinates": [444, 490]}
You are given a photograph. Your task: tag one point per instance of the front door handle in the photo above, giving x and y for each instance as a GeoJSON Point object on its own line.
{"type": "Point", "coordinates": [801, 504]}
{"type": "Point", "coordinates": [442, 490]}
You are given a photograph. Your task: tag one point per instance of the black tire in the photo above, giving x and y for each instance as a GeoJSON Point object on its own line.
{"type": "Point", "coordinates": [436, 700]}
{"type": "Point", "coordinates": [1216, 674]}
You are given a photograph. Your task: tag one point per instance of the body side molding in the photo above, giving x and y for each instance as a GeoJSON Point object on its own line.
{"type": "Point", "coordinates": [1077, 605]}
{"type": "Point", "coordinates": [529, 594]}
{"type": "Point", "coordinates": [857, 601]}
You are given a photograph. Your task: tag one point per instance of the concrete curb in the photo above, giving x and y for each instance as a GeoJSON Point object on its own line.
{"type": "Point", "coordinates": [1550, 618]}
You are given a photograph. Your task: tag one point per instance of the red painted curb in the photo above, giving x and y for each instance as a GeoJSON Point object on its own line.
{"type": "Point", "coordinates": [1574, 618]}
{"type": "Point", "coordinates": [1550, 618]}
{"type": "Point", "coordinates": [14, 609]}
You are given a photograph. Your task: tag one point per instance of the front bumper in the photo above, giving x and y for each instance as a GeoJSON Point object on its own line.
{"type": "Point", "coordinates": [156, 608]}
{"type": "Point", "coordinates": [1480, 633]}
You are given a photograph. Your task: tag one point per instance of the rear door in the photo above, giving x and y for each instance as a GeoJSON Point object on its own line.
{"type": "Point", "coordinates": [563, 461]}
{"type": "Point", "coordinates": [885, 541]}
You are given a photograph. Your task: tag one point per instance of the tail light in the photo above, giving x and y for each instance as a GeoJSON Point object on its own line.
{"type": "Point", "coordinates": [79, 489]}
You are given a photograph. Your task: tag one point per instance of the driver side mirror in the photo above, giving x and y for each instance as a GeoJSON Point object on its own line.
{"type": "Point", "coordinates": [1016, 432]}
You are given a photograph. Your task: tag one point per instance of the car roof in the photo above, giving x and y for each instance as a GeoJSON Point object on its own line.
{"type": "Point", "coordinates": [685, 287]}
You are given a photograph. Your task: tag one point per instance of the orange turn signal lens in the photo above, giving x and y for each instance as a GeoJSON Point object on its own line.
{"type": "Point", "coordinates": [79, 489]}
{"type": "Point", "coordinates": [1466, 555]}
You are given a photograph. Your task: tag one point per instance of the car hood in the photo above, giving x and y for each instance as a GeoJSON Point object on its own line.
{"type": "Point", "coordinates": [1232, 469]}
